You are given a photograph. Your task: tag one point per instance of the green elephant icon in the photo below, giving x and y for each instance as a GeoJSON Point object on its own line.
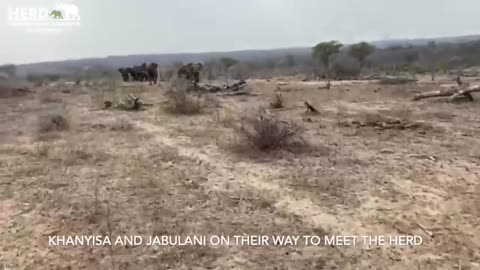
{"type": "Point", "coordinates": [57, 14]}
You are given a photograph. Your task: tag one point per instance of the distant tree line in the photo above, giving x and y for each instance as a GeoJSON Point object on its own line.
{"type": "Point", "coordinates": [329, 60]}
{"type": "Point", "coordinates": [332, 59]}
{"type": "Point", "coordinates": [9, 70]}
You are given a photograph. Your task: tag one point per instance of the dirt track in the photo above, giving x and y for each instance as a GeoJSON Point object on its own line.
{"type": "Point", "coordinates": [151, 173]}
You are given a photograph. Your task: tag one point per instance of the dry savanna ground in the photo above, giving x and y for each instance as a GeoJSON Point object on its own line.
{"type": "Point", "coordinates": [371, 162]}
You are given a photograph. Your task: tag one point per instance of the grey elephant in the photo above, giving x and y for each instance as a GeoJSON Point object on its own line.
{"type": "Point", "coordinates": [125, 74]}
{"type": "Point", "coordinates": [190, 72]}
{"type": "Point", "coordinates": [141, 73]}
{"type": "Point", "coordinates": [132, 73]}
{"type": "Point", "coordinates": [152, 71]}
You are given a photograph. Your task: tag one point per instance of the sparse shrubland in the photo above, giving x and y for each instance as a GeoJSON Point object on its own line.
{"type": "Point", "coordinates": [375, 160]}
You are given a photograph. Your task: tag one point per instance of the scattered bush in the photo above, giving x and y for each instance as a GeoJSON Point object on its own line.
{"type": "Point", "coordinates": [181, 100]}
{"type": "Point", "coordinates": [265, 132]}
{"type": "Point", "coordinates": [52, 122]}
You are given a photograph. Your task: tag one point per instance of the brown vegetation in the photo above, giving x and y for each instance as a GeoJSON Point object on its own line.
{"type": "Point", "coordinates": [377, 164]}
{"type": "Point", "coordinates": [52, 121]}
{"type": "Point", "coordinates": [182, 99]}
{"type": "Point", "coordinates": [265, 132]}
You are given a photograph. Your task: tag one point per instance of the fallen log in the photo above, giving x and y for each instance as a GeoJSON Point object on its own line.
{"type": "Point", "coordinates": [238, 93]}
{"type": "Point", "coordinates": [216, 89]}
{"type": "Point", "coordinates": [436, 93]}
{"type": "Point", "coordinates": [372, 77]}
{"type": "Point", "coordinates": [130, 103]}
{"type": "Point", "coordinates": [396, 80]}
{"type": "Point", "coordinates": [236, 86]}
{"type": "Point", "coordinates": [452, 93]}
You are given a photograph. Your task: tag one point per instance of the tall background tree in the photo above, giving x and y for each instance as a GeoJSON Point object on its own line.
{"type": "Point", "coordinates": [324, 52]}
{"type": "Point", "coordinates": [227, 64]}
{"type": "Point", "coordinates": [361, 51]}
{"type": "Point", "coordinates": [432, 57]}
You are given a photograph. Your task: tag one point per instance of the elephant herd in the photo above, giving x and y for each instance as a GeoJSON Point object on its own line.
{"type": "Point", "coordinates": [144, 73]}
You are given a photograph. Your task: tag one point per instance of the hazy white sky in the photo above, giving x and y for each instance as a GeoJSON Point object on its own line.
{"type": "Point", "coordinates": [120, 27]}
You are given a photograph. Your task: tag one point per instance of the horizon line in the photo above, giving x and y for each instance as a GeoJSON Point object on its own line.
{"type": "Point", "coordinates": [240, 50]}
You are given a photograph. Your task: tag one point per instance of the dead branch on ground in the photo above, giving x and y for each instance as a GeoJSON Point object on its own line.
{"type": "Point", "coordinates": [217, 89]}
{"type": "Point", "coordinates": [464, 89]}
{"type": "Point", "coordinates": [130, 103]}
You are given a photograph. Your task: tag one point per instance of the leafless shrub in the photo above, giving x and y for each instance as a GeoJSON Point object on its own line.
{"type": "Point", "coordinates": [265, 132]}
{"type": "Point", "coordinates": [52, 122]}
{"type": "Point", "coordinates": [277, 102]}
{"type": "Point", "coordinates": [182, 101]}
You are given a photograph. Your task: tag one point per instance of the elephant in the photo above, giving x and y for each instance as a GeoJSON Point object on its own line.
{"type": "Point", "coordinates": [141, 73]}
{"type": "Point", "coordinates": [190, 72]}
{"type": "Point", "coordinates": [152, 71]}
{"type": "Point", "coordinates": [185, 71]}
{"type": "Point", "coordinates": [124, 73]}
{"type": "Point", "coordinates": [132, 73]}
{"type": "Point", "coordinates": [197, 68]}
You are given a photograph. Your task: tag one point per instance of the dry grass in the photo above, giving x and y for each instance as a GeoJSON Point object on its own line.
{"type": "Point", "coordinates": [118, 173]}
{"type": "Point", "coordinates": [181, 100]}
{"type": "Point", "coordinates": [121, 124]}
{"type": "Point", "coordinates": [68, 153]}
{"type": "Point", "coordinates": [11, 89]}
